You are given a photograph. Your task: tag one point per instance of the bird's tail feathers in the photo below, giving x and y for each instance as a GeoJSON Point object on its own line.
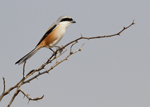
{"type": "Point", "coordinates": [27, 56]}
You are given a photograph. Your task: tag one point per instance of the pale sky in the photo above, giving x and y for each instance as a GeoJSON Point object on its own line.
{"type": "Point", "coordinates": [108, 72]}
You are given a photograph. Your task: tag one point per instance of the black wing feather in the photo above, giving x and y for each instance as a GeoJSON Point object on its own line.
{"type": "Point", "coordinates": [47, 33]}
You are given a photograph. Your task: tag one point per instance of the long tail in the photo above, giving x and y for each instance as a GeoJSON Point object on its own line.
{"type": "Point", "coordinates": [27, 56]}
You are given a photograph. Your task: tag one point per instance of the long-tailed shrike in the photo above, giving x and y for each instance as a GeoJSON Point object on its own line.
{"type": "Point", "coordinates": [52, 36]}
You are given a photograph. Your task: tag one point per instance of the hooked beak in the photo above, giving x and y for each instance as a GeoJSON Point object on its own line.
{"type": "Point", "coordinates": [73, 21]}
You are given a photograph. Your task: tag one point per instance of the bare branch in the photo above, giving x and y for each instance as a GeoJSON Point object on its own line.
{"type": "Point", "coordinates": [15, 94]}
{"type": "Point", "coordinates": [57, 63]}
{"type": "Point", "coordinates": [95, 37]}
{"type": "Point", "coordinates": [27, 95]}
{"type": "Point", "coordinates": [10, 89]}
{"type": "Point", "coordinates": [4, 84]}
{"type": "Point", "coordinates": [17, 91]}
{"type": "Point", "coordinates": [53, 57]}
{"type": "Point", "coordinates": [3, 93]}
{"type": "Point", "coordinates": [72, 46]}
{"type": "Point", "coordinates": [24, 68]}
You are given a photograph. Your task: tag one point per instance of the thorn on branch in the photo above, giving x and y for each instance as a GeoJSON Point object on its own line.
{"type": "Point", "coordinates": [133, 22]}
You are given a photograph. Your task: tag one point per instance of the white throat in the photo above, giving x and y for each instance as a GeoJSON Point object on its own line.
{"type": "Point", "coordinates": [65, 24]}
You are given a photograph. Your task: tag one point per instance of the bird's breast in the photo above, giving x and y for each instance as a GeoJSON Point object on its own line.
{"type": "Point", "coordinates": [55, 36]}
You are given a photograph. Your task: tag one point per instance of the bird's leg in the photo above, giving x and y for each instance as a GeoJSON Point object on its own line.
{"type": "Point", "coordinates": [55, 53]}
{"type": "Point", "coordinates": [59, 47]}
{"type": "Point", "coordinates": [52, 50]}
{"type": "Point", "coordinates": [58, 52]}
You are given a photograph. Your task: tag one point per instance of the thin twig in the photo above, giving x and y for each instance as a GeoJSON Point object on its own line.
{"type": "Point", "coordinates": [24, 68]}
{"type": "Point", "coordinates": [47, 71]}
{"type": "Point", "coordinates": [15, 94]}
{"type": "Point", "coordinates": [27, 95]}
{"type": "Point", "coordinates": [88, 38]}
{"type": "Point", "coordinates": [4, 85]}
{"type": "Point", "coordinates": [17, 91]}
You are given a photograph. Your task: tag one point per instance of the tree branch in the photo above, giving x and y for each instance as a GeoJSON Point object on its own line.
{"type": "Point", "coordinates": [4, 85]}
{"type": "Point", "coordinates": [1, 96]}
{"type": "Point", "coordinates": [27, 95]}
{"type": "Point", "coordinates": [56, 54]}
{"type": "Point", "coordinates": [24, 68]}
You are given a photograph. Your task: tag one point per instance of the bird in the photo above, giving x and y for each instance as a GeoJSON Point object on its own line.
{"type": "Point", "coordinates": [52, 36]}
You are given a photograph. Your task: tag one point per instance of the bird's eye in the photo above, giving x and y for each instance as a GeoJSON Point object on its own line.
{"type": "Point", "coordinates": [66, 19]}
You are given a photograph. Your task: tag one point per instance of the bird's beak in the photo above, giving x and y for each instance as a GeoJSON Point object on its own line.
{"type": "Point", "coordinates": [73, 21]}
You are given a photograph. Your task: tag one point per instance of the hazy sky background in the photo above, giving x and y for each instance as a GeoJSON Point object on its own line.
{"type": "Point", "coordinates": [109, 72]}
